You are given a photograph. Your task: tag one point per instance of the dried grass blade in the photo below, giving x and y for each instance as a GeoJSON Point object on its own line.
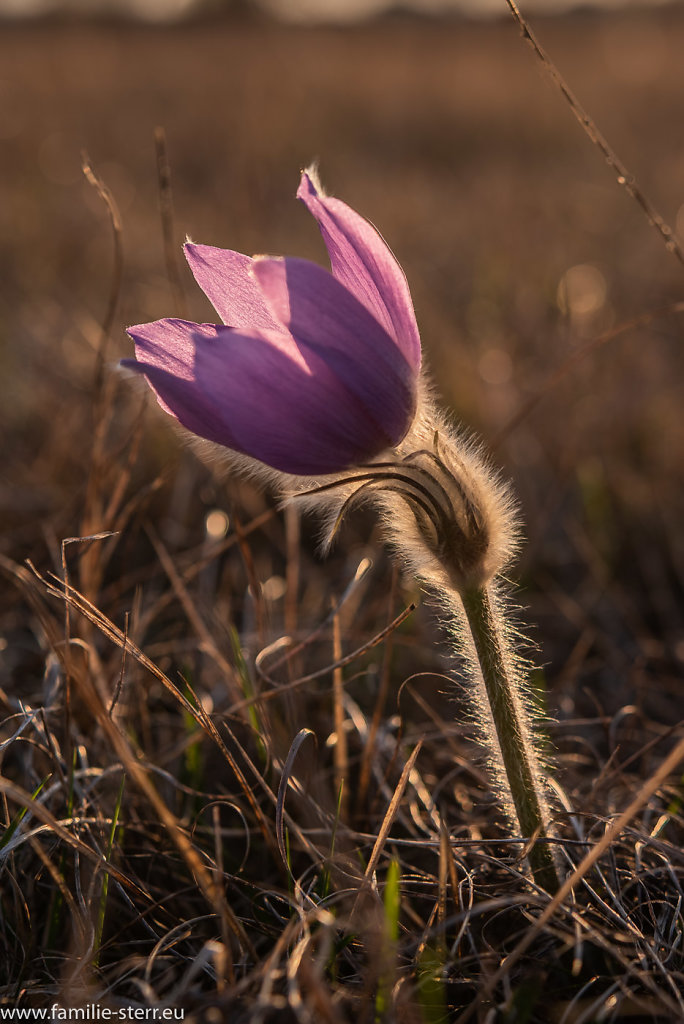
{"type": "Point", "coordinates": [340, 753]}
{"type": "Point", "coordinates": [196, 710]}
{"type": "Point", "coordinates": [24, 799]}
{"type": "Point", "coordinates": [378, 710]}
{"type": "Point", "coordinates": [190, 609]}
{"type": "Point", "coordinates": [347, 660]}
{"type": "Point", "coordinates": [387, 822]}
{"type": "Point", "coordinates": [362, 570]}
{"type": "Point", "coordinates": [285, 778]}
{"type": "Point", "coordinates": [134, 767]}
{"type": "Point", "coordinates": [57, 877]}
{"type": "Point", "coordinates": [107, 198]}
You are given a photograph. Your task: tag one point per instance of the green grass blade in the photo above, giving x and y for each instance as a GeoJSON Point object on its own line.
{"type": "Point", "coordinates": [19, 816]}
{"type": "Point", "coordinates": [392, 907]}
{"type": "Point", "coordinates": [102, 906]}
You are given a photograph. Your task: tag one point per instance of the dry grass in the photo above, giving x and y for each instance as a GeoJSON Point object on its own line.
{"type": "Point", "coordinates": [183, 840]}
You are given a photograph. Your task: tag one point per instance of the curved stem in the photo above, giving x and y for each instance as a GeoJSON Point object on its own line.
{"type": "Point", "coordinates": [518, 755]}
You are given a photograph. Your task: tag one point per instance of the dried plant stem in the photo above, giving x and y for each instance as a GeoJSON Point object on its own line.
{"type": "Point", "coordinates": [517, 753]}
{"type": "Point", "coordinates": [341, 755]}
{"type": "Point", "coordinates": [623, 176]}
{"type": "Point", "coordinates": [167, 221]}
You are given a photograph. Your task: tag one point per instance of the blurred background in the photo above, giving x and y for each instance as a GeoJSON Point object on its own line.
{"type": "Point", "coordinates": [519, 246]}
{"type": "Point", "coordinates": [294, 10]}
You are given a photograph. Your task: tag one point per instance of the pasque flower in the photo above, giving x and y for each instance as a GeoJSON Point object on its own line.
{"type": "Point", "coordinates": [312, 371]}
{"type": "Point", "coordinates": [316, 373]}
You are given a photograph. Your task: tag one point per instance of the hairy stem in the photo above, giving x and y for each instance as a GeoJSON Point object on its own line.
{"type": "Point", "coordinates": [519, 757]}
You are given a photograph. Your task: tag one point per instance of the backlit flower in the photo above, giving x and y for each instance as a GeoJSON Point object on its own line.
{"type": "Point", "coordinates": [312, 371]}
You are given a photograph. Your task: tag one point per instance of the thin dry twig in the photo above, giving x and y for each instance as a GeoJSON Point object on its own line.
{"type": "Point", "coordinates": [623, 176]}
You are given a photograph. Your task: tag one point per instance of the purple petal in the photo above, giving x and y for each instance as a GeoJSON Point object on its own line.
{"type": "Point", "coordinates": [224, 277]}
{"type": "Point", "coordinates": [324, 316]}
{"type": "Point", "coordinates": [257, 392]}
{"type": "Point", "coordinates": [363, 262]}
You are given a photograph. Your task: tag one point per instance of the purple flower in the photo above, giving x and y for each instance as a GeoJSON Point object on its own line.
{"type": "Point", "coordinates": [314, 371]}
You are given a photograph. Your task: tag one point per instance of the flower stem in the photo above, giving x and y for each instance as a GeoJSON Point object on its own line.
{"type": "Point", "coordinates": [517, 753]}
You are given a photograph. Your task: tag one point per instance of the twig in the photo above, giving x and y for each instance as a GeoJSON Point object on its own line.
{"type": "Point", "coordinates": [623, 176]}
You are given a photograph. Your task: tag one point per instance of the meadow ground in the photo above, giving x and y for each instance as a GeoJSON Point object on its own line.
{"type": "Point", "coordinates": [157, 865]}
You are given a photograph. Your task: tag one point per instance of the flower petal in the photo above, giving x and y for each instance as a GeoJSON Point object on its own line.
{"type": "Point", "coordinates": [224, 277]}
{"type": "Point", "coordinates": [258, 392]}
{"type": "Point", "coordinates": [363, 262]}
{"type": "Point", "coordinates": [323, 315]}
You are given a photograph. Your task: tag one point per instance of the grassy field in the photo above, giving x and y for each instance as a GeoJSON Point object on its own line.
{"type": "Point", "coordinates": [159, 863]}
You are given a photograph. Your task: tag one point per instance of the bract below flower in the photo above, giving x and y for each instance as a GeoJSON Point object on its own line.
{"type": "Point", "coordinates": [311, 371]}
